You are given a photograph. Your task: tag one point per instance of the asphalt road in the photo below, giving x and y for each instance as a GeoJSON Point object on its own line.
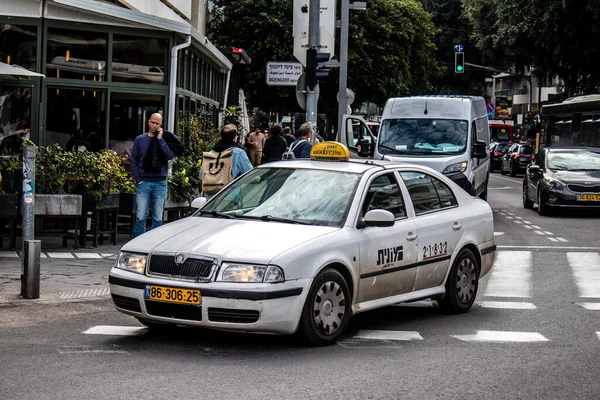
{"type": "Point", "coordinates": [533, 334]}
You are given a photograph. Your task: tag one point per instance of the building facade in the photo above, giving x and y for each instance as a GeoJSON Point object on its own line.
{"type": "Point", "coordinates": [108, 65]}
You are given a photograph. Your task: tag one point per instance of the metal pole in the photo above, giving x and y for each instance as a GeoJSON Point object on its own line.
{"type": "Point", "coordinates": [312, 95]}
{"type": "Point", "coordinates": [494, 95]}
{"type": "Point", "coordinates": [343, 103]}
{"type": "Point", "coordinates": [28, 205]}
{"type": "Point", "coordinates": [30, 280]}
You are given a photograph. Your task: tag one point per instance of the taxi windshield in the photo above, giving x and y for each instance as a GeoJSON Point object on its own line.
{"type": "Point", "coordinates": [422, 136]}
{"type": "Point", "coordinates": [306, 196]}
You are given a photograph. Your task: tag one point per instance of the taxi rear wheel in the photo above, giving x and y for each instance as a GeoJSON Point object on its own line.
{"type": "Point", "coordinates": [327, 309]}
{"type": "Point", "coordinates": [462, 284]}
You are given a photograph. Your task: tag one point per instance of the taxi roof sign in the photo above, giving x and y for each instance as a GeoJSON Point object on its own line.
{"type": "Point", "coordinates": [329, 151]}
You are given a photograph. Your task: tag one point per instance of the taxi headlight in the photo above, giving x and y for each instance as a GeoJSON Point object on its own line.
{"type": "Point", "coordinates": [132, 262]}
{"type": "Point", "coordinates": [458, 167]}
{"type": "Point", "coordinates": [251, 273]}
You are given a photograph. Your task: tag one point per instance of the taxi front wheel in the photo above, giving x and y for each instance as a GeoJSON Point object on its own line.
{"type": "Point", "coordinates": [462, 284]}
{"type": "Point", "coordinates": [327, 309]}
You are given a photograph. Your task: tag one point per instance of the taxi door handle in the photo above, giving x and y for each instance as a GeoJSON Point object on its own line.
{"type": "Point", "coordinates": [456, 226]}
{"type": "Point", "coordinates": [411, 236]}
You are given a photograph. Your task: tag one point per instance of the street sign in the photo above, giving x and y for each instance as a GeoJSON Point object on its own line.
{"type": "Point", "coordinates": [300, 28]}
{"type": "Point", "coordinates": [283, 73]}
{"type": "Point", "coordinates": [349, 96]}
{"type": "Point", "coordinates": [490, 107]}
{"type": "Point", "coordinates": [301, 91]}
{"type": "Point", "coordinates": [459, 48]}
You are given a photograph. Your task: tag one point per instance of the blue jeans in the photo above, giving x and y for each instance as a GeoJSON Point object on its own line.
{"type": "Point", "coordinates": [146, 194]}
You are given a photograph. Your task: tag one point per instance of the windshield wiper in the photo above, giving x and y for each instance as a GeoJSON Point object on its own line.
{"type": "Point", "coordinates": [393, 149]}
{"type": "Point", "coordinates": [218, 214]}
{"type": "Point", "coordinates": [269, 218]}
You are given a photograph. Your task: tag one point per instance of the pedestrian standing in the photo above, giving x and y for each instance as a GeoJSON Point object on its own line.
{"type": "Point", "coordinates": [275, 145]}
{"type": "Point", "coordinates": [149, 165]}
{"type": "Point", "coordinates": [288, 136]}
{"type": "Point", "coordinates": [256, 142]}
{"type": "Point", "coordinates": [302, 146]}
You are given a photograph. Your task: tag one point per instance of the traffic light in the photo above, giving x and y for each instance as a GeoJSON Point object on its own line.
{"type": "Point", "coordinates": [313, 72]}
{"type": "Point", "coordinates": [459, 62]}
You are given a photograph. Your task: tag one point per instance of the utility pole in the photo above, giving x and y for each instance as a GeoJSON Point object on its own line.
{"type": "Point", "coordinates": [343, 101]}
{"type": "Point", "coordinates": [312, 95]}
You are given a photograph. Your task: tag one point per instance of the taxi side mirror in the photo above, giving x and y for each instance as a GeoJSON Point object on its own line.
{"type": "Point", "coordinates": [379, 218]}
{"type": "Point", "coordinates": [363, 148]}
{"type": "Point", "coordinates": [198, 202]}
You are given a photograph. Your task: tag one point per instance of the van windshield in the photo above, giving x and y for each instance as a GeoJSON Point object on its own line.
{"type": "Point", "coordinates": [423, 136]}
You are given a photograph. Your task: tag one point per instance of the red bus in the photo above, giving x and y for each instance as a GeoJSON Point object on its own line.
{"type": "Point", "coordinates": [500, 131]}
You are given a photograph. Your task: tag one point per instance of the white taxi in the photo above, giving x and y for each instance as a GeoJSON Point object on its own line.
{"type": "Point", "coordinates": [302, 245]}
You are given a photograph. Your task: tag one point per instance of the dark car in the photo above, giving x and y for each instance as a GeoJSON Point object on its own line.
{"type": "Point", "coordinates": [563, 177]}
{"type": "Point", "coordinates": [516, 159]}
{"type": "Point", "coordinates": [496, 154]}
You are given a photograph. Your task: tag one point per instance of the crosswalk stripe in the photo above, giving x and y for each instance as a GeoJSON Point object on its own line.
{"type": "Point", "coordinates": [116, 330]}
{"type": "Point", "coordinates": [509, 305]}
{"type": "Point", "coordinates": [511, 275]}
{"type": "Point", "coordinates": [590, 306]}
{"type": "Point", "coordinates": [388, 335]}
{"type": "Point", "coordinates": [502, 337]}
{"type": "Point", "coordinates": [586, 269]}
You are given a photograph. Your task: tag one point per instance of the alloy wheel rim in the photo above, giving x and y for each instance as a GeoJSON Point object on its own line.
{"type": "Point", "coordinates": [466, 279]}
{"type": "Point", "coordinates": [329, 308]}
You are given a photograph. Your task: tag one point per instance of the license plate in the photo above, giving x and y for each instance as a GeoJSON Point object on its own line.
{"type": "Point", "coordinates": [588, 197]}
{"type": "Point", "coordinates": [172, 295]}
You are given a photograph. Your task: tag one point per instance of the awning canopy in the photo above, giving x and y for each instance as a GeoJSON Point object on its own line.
{"type": "Point", "coordinates": [15, 70]}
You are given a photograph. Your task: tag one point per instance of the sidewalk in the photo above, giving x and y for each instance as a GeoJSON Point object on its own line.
{"type": "Point", "coordinates": [66, 273]}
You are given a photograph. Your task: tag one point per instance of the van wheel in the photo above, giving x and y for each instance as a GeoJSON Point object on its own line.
{"type": "Point", "coordinates": [462, 284]}
{"type": "Point", "coordinates": [327, 309]}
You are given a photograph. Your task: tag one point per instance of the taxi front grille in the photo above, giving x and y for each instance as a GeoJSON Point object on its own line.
{"type": "Point", "coordinates": [177, 311]}
{"type": "Point", "coordinates": [584, 189]}
{"type": "Point", "coordinates": [191, 268]}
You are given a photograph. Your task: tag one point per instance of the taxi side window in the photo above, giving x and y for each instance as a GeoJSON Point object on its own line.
{"type": "Point", "coordinates": [384, 194]}
{"type": "Point", "coordinates": [427, 193]}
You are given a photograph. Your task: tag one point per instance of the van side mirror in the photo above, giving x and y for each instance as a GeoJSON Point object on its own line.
{"type": "Point", "coordinates": [363, 148]}
{"type": "Point", "coordinates": [479, 149]}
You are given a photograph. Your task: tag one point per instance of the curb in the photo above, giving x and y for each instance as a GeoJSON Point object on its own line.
{"type": "Point", "coordinates": [58, 296]}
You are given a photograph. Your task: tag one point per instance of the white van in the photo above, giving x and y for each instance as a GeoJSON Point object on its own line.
{"type": "Point", "coordinates": [447, 133]}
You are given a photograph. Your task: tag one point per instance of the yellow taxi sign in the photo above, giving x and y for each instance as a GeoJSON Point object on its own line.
{"type": "Point", "coordinates": [329, 151]}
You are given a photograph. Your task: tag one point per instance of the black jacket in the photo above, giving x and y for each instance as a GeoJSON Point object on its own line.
{"type": "Point", "coordinates": [274, 148]}
{"type": "Point", "coordinates": [173, 142]}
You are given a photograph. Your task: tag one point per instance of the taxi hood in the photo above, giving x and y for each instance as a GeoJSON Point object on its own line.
{"type": "Point", "coordinates": [226, 239]}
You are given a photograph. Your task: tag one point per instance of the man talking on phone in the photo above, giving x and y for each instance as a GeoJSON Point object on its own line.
{"type": "Point", "coordinates": [149, 165]}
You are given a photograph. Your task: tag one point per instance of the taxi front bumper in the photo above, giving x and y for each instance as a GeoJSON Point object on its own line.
{"type": "Point", "coordinates": [261, 308]}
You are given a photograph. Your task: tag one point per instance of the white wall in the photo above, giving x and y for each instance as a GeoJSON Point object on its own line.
{"type": "Point", "coordinates": [154, 7]}
{"type": "Point", "coordinates": [21, 8]}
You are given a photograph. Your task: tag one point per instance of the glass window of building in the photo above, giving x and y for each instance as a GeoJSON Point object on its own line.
{"type": "Point", "coordinates": [129, 115]}
{"type": "Point", "coordinates": [76, 54]}
{"type": "Point", "coordinates": [139, 59]}
{"type": "Point", "coordinates": [75, 118]}
{"type": "Point", "coordinates": [15, 118]}
{"type": "Point", "coordinates": [18, 45]}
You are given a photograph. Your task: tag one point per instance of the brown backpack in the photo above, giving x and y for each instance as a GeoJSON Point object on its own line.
{"type": "Point", "coordinates": [216, 170]}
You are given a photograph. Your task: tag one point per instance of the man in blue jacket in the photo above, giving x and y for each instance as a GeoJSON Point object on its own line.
{"type": "Point", "coordinates": [149, 166]}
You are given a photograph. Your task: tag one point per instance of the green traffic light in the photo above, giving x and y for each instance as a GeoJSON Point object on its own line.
{"type": "Point", "coordinates": [459, 68]}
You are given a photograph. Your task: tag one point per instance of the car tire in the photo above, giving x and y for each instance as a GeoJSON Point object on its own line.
{"type": "Point", "coordinates": [513, 172]}
{"type": "Point", "coordinates": [502, 171]}
{"type": "Point", "coordinates": [543, 208]}
{"type": "Point", "coordinates": [484, 194]}
{"type": "Point", "coordinates": [527, 203]}
{"type": "Point", "coordinates": [326, 310]}
{"type": "Point", "coordinates": [462, 284]}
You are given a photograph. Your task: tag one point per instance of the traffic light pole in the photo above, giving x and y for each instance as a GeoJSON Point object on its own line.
{"type": "Point", "coordinates": [343, 102]}
{"type": "Point", "coordinates": [312, 95]}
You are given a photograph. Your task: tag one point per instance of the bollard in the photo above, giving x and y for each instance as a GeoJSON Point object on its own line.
{"type": "Point", "coordinates": [30, 280]}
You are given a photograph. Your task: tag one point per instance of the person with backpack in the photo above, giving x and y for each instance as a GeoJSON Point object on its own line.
{"type": "Point", "coordinates": [150, 155]}
{"type": "Point", "coordinates": [302, 145]}
{"type": "Point", "coordinates": [275, 145]}
{"type": "Point", "coordinates": [225, 162]}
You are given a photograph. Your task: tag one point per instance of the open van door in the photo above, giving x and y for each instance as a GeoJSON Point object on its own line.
{"type": "Point", "coordinates": [355, 134]}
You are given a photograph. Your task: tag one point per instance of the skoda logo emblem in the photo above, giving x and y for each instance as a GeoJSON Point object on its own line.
{"type": "Point", "coordinates": [179, 258]}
